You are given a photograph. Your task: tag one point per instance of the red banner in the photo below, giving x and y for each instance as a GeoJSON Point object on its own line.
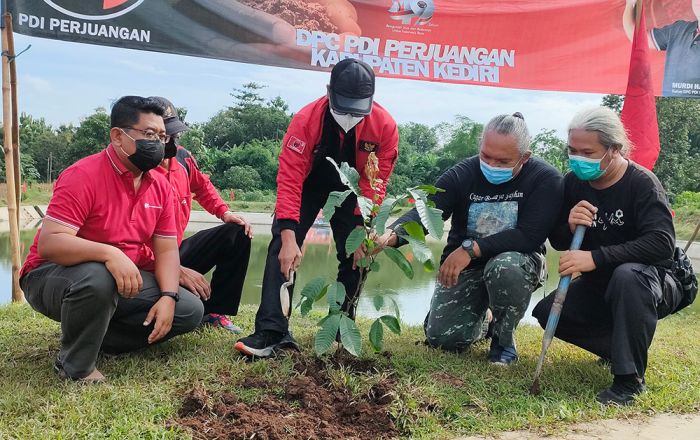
{"type": "Point", "coordinates": [567, 45]}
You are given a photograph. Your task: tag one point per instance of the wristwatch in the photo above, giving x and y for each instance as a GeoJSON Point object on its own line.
{"type": "Point", "coordinates": [173, 295]}
{"type": "Point", "coordinates": [468, 246]}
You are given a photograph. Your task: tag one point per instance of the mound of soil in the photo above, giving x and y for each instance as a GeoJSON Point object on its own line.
{"type": "Point", "coordinates": [300, 14]}
{"type": "Point", "coordinates": [310, 408]}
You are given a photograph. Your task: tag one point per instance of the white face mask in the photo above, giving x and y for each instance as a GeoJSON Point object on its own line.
{"type": "Point", "coordinates": [347, 121]}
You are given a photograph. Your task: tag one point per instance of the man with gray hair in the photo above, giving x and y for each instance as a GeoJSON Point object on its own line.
{"type": "Point", "coordinates": [625, 286]}
{"type": "Point", "coordinates": [503, 204]}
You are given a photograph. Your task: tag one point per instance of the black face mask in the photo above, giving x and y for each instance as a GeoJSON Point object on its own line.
{"type": "Point", "coordinates": [170, 148]}
{"type": "Point", "coordinates": [148, 155]}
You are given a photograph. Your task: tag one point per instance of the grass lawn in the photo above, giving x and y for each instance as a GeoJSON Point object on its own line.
{"type": "Point", "coordinates": [431, 394]}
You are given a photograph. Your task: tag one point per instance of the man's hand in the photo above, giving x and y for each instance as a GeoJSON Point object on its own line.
{"type": "Point", "coordinates": [582, 214]}
{"type": "Point", "coordinates": [455, 263]}
{"type": "Point", "coordinates": [125, 273]}
{"type": "Point", "coordinates": [163, 312]}
{"type": "Point", "coordinates": [290, 254]}
{"type": "Point", "coordinates": [388, 239]}
{"type": "Point", "coordinates": [195, 282]}
{"type": "Point", "coordinates": [572, 262]}
{"type": "Point", "coordinates": [230, 217]}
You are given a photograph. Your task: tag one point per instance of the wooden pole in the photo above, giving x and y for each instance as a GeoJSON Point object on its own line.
{"type": "Point", "coordinates": [15, 115]}
{"type": "Point", "coordinates": [17, 295]}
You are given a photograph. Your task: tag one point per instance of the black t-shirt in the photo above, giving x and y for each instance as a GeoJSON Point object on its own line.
{"type": "Point", "coordinates": [633, 223]}
{"type": "Point", "coordinates": [514, 216]}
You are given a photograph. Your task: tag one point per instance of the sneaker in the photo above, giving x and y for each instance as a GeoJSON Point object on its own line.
{"type": "Point", "coordinates": [503, 356]}
{"type": "Point", "coordinates": [216, 320]}
{"type": "Point", "coordinates": [265, 343]}
{"type": "Point", "coordinates": [622, 392]}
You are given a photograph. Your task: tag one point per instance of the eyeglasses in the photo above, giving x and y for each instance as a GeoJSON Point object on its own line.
{"type": "Point", "coordinates": [151, 135]}
{"type": "Point", "coordinates": [355, 115]}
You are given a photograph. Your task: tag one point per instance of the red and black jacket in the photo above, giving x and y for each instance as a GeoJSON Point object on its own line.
{"type": "Point", "coordinates": [377, 132]}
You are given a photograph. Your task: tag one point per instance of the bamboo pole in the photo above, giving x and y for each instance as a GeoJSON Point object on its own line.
{"type": "Point", "coordinates": [17, 295]}
{"type": "Point", "coordinates": [15, 115]}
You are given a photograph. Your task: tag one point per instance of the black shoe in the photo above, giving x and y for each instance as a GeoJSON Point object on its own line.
{"type": "Point", "coordinates": [265, 343]}
{"type": "Point", "coordinates": [622, 392]}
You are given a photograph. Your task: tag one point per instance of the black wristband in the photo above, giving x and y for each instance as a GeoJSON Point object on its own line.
{"type": "Point", "coordinates": [173, 295]}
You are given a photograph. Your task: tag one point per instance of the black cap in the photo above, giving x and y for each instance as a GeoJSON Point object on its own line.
{"type": "Point", "coordinates": [352, 87]}
{"type": "Point", "coordinates": [173, 124]}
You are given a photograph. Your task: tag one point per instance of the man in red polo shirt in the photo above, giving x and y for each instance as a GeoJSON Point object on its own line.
{"type": "Point", "coordinates": [225, 248]}
{"type": "Point", "coordinates": [347, 126]}
{"type": "Point", "coordinates": [91, 267]}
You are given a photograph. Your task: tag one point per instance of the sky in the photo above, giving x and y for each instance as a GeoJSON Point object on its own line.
{"type": "Point", "coordinates": [64, 82]}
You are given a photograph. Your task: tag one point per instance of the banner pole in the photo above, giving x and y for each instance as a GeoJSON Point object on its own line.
{"type": "Point", "coordinates": [17, 295]}
{"type": "Point", "coordinates": [15, 115]}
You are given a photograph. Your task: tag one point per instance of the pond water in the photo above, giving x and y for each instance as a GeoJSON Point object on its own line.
{"type": "Point", "coordinates": [413, 296]}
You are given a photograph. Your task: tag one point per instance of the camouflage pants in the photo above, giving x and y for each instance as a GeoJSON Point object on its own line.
{"type": "Point", "coordinates": [505, 285]}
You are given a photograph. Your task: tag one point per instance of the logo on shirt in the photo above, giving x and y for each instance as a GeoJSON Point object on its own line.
{"type": "Point", "coordinates": [369, 147]}
{"type": "Point", "coordinates": [296, 144]}
{"type": "Point", "coordinates": [149, 206]}
{"type": "Point", "coordinates": [607, 219]}
{"type": "Point", "coordinates": [94, 9]}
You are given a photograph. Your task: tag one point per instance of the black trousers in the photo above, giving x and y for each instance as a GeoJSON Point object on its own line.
{"type": "Point", "coordinates": [227, 249]}
{"type": "Point", "coordinates": [616, 319]}
{"type": "Point", "coordinates": [269, 316]}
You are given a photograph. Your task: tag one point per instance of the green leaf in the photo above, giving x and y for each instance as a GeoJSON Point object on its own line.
{"type": "Point", "coordinates": [414, 230]}
{"type": "Point", "coordinates": [335, 199]}
{"type": "Point", "coordinates": [363, 262]}
{"type": "Point", "coordinates": [336, 296]}
{"type": "Point", "coordinates": [313, 288]}
{"type": "Point", "coordinates": [306, 305]}
{"type": "Point", "coordinates": [378, 301]}
{"type": "Point", "coordinates": [374, 267]}
{"type": "Point", "coordinates": [420, 250]}
{"type": "Point", "coordinates": [398, 258]}
{"type": "Point", "coordinates": [350, 336]}
{"type": "Point", "coordinates": [348, 175]}
{"type": "Point", "coordinates": [383, 216]}
{"type": "Point", "coordinates": [326, 335]}
{"type": "Point", "coordinates": [430, 217]}
{"type": "Point", "coordinates": [365, 206]}
{"type": "Point", "coordinates": [392, 323]}
{"type": "Point", "coordinates": [376, 336]}
{"type": "Point", "coordinates": [429, 266]}
{"type": "Point", "coordinates": [354, 240]}
{"type": "Point", "coordinates": [397, 312]}
{"type": "Point", "coordinates": [430, 189]}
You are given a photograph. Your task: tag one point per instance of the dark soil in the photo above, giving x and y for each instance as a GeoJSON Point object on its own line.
{"type": "Point", "coordinates": [310, 407]}
{"type": "Point", "coordinates": [300, 14]}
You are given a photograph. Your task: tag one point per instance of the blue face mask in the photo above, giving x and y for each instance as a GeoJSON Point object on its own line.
{"type": "Point", "coordinates": [585, 168]}
{"type": "Point", "coordinates": [496, 175]}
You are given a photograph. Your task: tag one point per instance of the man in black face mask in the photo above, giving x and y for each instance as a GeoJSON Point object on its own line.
{"type": "Point", "coordinates": [105, 261]}
{"type": "Point", "coordinates": [225, 248]}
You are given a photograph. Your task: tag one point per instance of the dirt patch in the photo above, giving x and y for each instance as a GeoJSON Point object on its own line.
{"type": "Point", "coordinates": [300, 14]}
{"type": "Point", "coordinates": [309, 408]}
{"type": "Point", "coordinates": [448, 379]}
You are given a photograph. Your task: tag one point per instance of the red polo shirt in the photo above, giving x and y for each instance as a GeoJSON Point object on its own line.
{"type": "Point", "coordinates": [95, 196]}
{"type": "Point", "coordinates": [184, 183]}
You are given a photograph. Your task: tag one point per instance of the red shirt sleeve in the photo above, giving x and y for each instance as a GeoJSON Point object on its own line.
{"type": "Point", "coordinates": [72, 199]}
{"type": "Point", "coordinates": [295, 160]}
{"type": "Point", "coordinates": [166, 226]}
{"type": "Point", "coordinates": [204, 191]}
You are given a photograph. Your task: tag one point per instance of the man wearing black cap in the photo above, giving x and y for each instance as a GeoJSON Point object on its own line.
{"type": "Point", "coordinates": [347, 126]}
{"type": "Point", "coordinates": [225, 248]}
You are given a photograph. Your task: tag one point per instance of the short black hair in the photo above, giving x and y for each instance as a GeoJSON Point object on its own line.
{"type": "Point", "coordinates": [127, 110]}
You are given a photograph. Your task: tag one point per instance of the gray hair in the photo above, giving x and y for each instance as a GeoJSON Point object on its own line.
{"type": "Point", "coordinates": [509, 125]}
{"type": "Point", "coordinates": [605, 122]}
